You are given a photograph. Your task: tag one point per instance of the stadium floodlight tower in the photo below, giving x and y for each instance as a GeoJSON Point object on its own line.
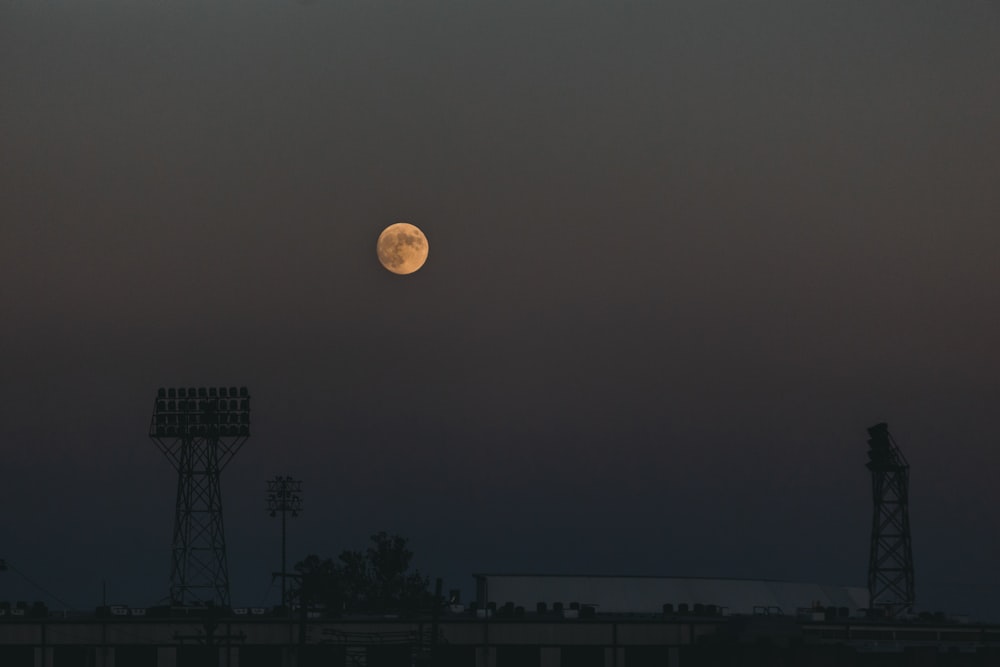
{"type": "Point", "coordinates": [890, 561]}
{"type": "Point", "coordinates": [200, 430]}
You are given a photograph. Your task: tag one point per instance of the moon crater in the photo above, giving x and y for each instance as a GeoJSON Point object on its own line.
{"type": "Point", "coordinates": [402, 248]}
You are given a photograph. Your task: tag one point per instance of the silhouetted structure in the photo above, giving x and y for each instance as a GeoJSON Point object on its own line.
{"type": "Point", "coordinates": [200, 431]}
{"type": "Point", "coordinates": [284, 496]}
{"type": "Point", "coordinates": [474, 638]}
{"type": "Point", "coordinates": [890, 563]}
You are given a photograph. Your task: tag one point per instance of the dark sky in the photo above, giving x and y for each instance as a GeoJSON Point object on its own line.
{"type": "Point", "coordinates": [681, 256]}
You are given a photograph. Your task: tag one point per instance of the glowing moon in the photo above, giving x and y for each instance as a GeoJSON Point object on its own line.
{"type": "Point", "coordinates": [402, 248]}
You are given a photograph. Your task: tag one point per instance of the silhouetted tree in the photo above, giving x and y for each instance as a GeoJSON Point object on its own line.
{"type": "Point", "coordinates": [355, 581]}
{"type": "Point", "coordinates": [376, 581]}
{"type": "Point", "coordinates": [320, 582]}
{"type": "Point", "coordinates": [392, 584]}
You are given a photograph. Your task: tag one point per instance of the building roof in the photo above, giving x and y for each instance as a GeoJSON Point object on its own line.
{"type": "Point", "coordinates": [648, 594]}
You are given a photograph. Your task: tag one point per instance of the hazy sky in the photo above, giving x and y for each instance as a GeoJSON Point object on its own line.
{"type": "Point", "coordinates": [681, 256]}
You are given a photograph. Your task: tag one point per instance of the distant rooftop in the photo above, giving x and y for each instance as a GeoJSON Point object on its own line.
{"type": "Point", "coordinates": [632, 594]}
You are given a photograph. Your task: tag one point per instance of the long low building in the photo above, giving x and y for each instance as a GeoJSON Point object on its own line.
{"type": "Point", "coordinates": [648, 595]}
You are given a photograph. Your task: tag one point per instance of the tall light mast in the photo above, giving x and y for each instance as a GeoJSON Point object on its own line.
{"type": "Point", "coordinates": [284, 497]}
{"type": "Point", "coordinates": [200, 431]}
{"type": "Point", "coordinates": [890, 561]}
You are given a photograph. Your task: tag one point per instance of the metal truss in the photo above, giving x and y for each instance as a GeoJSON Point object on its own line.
{"type": "Point", "coordinates": [200, 431]}
{"type": "Point", "coordinates": [890, 561]}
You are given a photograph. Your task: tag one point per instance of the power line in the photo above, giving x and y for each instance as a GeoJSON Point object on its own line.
{"type": "Point", "coordinates": [7, 565]}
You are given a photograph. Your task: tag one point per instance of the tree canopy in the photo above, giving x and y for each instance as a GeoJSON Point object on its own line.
{"type": "Point", "coordinates": [375, 581]}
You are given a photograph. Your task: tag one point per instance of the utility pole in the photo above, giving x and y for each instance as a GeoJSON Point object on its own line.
{"type": "Point", "coordinates": [284, 496]}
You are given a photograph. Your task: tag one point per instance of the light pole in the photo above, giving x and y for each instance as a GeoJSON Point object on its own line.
{"type": "Point", "coordinates": [284, 495]}
{"type": "Point", "coordinates": [199, 430]}
{"type": "Point", "coordinates": [890, 563]}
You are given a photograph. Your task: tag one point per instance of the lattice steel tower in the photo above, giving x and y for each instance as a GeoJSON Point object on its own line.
{"type": "Point", "coordinates": [890, 562]}
{"type": "Point", "coordinates": [200, 431]}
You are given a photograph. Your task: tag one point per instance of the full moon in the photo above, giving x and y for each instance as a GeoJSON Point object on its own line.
{"type": "Point", "coordinates": [402, 248]}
